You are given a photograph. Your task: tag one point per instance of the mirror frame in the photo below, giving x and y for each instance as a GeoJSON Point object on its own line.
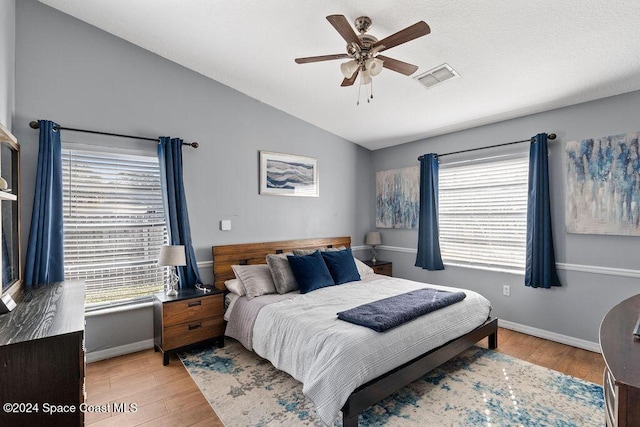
{"type": "Point", "coordinates": [9, 140]}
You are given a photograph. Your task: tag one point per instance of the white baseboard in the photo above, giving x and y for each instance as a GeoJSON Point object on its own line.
{"type": "Point", "coordinates": [551, 336]}
{"type": "Point", "coordinates": [108, 353]}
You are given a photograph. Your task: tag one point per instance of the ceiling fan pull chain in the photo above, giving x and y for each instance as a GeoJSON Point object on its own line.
{"type": "Point", "coordinates": [370, 91]}
{"type": "Point", "coordinates": [359, 87]}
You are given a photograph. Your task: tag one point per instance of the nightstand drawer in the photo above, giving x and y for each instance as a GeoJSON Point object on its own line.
{"type": "Point", "coordinates": [191, 309]}
{"type": "Point", "coordinates": [191, 332]}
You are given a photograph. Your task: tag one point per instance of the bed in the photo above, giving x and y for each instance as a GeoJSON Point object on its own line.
{"type": "Point", "coordinates": [345, 367]}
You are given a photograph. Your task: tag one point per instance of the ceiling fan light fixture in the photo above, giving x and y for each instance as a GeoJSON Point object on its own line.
{"type": "Point", "coordinates": [363, 50]}
{"type": "Point", "coordinates": [374, 66]}
{"type": "Point", "coordinates": [365, 78]}
{"type": "Point", "coordinates": [348, 68]}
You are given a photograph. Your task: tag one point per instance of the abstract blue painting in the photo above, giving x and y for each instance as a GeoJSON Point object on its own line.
{"type": "Point", "coordinates": [288, 175]}
{"type": "Point", "coordinates": [398, 198]}
{"type": "Point", "coordinates": [603, 185]}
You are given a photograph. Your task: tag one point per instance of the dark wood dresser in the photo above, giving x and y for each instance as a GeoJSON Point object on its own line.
{"type": "Point", "coordinates": [622, 364]}
{"type": "Point", "coordinates": [42, 360]}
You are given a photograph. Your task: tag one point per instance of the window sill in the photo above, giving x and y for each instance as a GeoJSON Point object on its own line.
{"type": "Point", "coordinates": [453, 263]}
{"type": "Point", "coordinates": [104, 310]}
{"type": "Point", "coordinates": [485, 268]}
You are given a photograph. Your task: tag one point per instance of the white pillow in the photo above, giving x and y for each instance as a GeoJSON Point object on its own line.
{"type": "Point", "coordinates": [234, 286]}
{"type": "Point", "coordinates": [256, 279]}
{"type": "Point", "coordinates": [363, 268]}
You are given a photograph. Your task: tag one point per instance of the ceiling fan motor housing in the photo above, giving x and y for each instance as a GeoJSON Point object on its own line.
{"type": "Point", "coordinates": [362, 24]}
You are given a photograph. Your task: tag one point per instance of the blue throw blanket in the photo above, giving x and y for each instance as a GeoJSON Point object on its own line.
{"type": "Point", "coordinates": [388, 313]}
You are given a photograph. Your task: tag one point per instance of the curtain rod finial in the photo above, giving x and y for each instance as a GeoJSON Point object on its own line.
{"type": "Point", "coordinates": [195, 145]}
{"type": "Point", "coordinates": [34, 124]}
{"type": "Point", "coordinates": [551, 136]}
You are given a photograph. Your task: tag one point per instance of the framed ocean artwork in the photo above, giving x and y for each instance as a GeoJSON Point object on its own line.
{"type": "Point", "coordinates": [398, 198]}
{"type": "Point", "coordinates": [288, 175]}
{"type": "Point", "coordinates": [603, 185]}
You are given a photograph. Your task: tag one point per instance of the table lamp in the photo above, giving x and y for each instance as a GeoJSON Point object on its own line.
{"type": "Point", "coordinates": [373, 239]}
{"type": "Point", "coordinates": [172, 256]}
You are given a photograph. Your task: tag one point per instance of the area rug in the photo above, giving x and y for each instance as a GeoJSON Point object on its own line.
{"type": "Point", "coordinates": [478, 388]}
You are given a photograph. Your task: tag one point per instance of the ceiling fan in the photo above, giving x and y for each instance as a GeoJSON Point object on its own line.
{"type": "Point", "coordinates": [364, 50]}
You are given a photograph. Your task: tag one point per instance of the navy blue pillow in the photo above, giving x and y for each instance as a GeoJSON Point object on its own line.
{"type": "Point", "coordinates": [341, 266]}
{"type": "Point", "coordinates": [310, 272]}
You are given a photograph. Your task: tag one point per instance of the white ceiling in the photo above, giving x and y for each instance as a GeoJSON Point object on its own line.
{"type": "Point", "coordinates": [515, 57]}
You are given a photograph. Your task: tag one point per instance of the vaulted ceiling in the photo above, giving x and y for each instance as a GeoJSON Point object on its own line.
{"type": "Point", "coordinates": [514, 57]}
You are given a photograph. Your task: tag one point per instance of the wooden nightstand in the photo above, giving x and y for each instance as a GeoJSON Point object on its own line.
{"type": "Point", "coordinates": [188, 318]}
{"type": "Point", "coordinates": [381, 267]}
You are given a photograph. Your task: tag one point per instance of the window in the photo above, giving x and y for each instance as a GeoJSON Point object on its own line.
{"type": "Point", "coordinates": [113, 224]}
{"type": "Point", "coordinates": [483, 213]}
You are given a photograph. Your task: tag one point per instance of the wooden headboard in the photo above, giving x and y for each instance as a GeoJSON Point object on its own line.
{"type": "Point", "coordinates": [255, 253]}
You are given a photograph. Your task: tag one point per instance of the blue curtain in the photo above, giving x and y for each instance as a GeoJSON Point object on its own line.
{"type": "Point", "coordinates": [540, 269]}
{"type": "Point", "coordinates": [45, 253]}
{"type": "Point", "coordinates": [175, 207]}
{"type": "Point", "coordinates": [429, 257]}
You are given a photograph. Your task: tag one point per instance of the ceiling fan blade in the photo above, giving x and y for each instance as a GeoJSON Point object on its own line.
{"type": "Point", "coordinates": [321, 58]}
{"type": "Point", "coordinates": [418, 29]}
{"type": "Point", "coordinates": [352, 79]}
{"type": "Point", "coordinates": [343, 27]}
{"type": "Point", "coordinates": [398, 66]}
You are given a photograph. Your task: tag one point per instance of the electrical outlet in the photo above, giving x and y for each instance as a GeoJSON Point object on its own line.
{"type": "Point", "coordinates": [506, 290]}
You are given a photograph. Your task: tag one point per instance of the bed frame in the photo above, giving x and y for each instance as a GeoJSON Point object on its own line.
{"type": "Point", "coordinates": [377, 389]}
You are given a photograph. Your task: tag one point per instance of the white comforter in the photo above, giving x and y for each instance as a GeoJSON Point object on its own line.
{"type": "Point", "coordinates": [303, 337]}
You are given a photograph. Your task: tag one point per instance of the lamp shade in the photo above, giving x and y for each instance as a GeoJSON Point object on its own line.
{"type": "Point", "coordinates": [348, 68]}
{"type": "Point", "coordinates": [373, 238]}
{"type": "Point", "coordinates": [172, 256]}
{"type": "Point", "coordinates": [365, 78]}
{"type": "Point", "coordinates": [374, 66]}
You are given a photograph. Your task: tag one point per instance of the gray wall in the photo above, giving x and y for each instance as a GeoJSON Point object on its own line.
{"type": "Point", "coordinates": [577, 308]}
{"type": "Point", "coordinates": [7, 60]}
{"type": "Point", "coordinates": [80, 76]}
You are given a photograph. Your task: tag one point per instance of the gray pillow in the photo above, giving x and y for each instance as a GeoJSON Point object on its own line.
{"type": "Point", "coordinates": [281, 272]}
{"type": "Point", "coordinates": [305, 252]}
{"type": "Point", "coordinates": [256, 279]}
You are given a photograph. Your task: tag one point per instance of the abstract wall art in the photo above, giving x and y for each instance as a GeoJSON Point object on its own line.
{"type": "Point", "coordinates": [603, 185]}
{"type": "Point", "coordinates": [288, 175]}
{"type": "Point", "coordinates": [398, 198]}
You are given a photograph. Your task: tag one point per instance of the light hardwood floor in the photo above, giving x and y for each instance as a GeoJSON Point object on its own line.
{"type": "Point", "coordinates": [167, 396]}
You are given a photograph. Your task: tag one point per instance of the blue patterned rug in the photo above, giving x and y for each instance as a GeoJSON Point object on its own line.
{"type": "Point", "coordinates": [478, 388]}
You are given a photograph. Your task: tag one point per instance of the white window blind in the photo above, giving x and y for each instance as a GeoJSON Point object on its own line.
{"type": "Point", "coordinates": [483, 213]}
{"type": "Point", "coordinates": [113, 224]}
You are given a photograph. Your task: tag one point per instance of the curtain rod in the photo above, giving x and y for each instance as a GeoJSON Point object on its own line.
{"type": "Point", "coordinates": [35, 125]}
{"type": "Point", "coordinates": [550, 136]}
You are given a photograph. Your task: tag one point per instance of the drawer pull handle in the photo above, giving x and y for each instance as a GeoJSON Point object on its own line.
{"type": "Point", "coordinates": [194, 303]}
{"type": "Point", "coordinates": [196, 326]}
